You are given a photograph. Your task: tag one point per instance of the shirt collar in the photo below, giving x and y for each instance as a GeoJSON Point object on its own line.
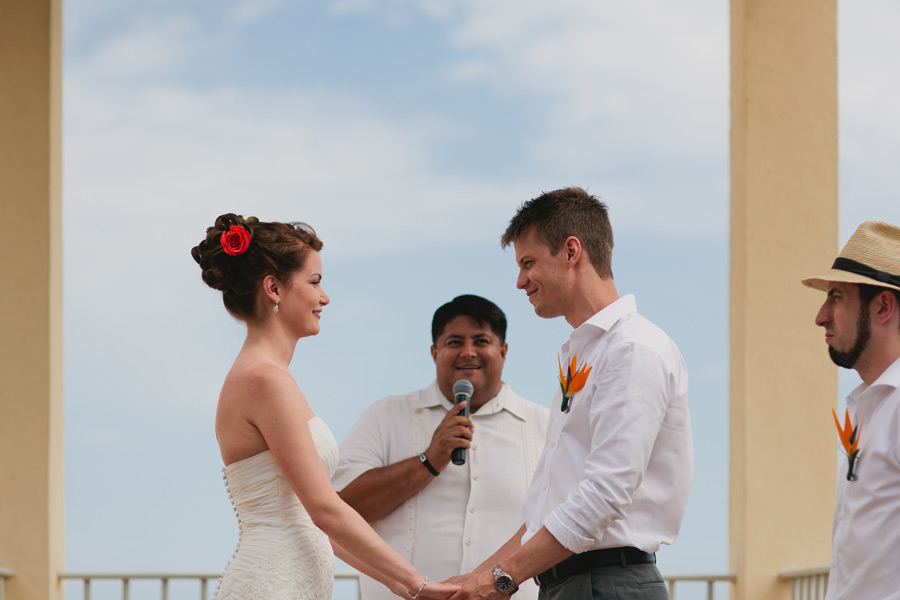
{"type": "Point", "coordinates": [504, 400]}
{"type": "Point", "coordinates": [609, 316]}
{"type": "Point", "coordinates": [889, 378]}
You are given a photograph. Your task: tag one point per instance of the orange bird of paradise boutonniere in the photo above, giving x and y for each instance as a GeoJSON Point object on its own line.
{"type": "Point", "coordinates": [850, 440]}
{"type": "Point", "coordinates": [572, 380]}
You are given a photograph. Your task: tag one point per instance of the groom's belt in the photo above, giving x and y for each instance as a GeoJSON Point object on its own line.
{"type": "Point", "coordinates": [606, 557]}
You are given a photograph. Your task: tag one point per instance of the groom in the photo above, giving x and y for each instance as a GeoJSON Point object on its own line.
{"type": "Point", "coordinates": [613, 481]}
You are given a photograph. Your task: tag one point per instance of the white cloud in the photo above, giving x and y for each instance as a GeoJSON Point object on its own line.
{"type": "Point", "coordinates": [293, 155]}
{"type": "Point", "coordinates": [79, 16]}
{"type": "Point", "coordinates": [252, 11]}
{"type": "Point", "coordinates": [869, 113]}
{"type": "Point", "coordinates": [147, 158]}
{"type": "Point", "coordinates": [624, 79]}
{"type": "Point", "coordinates": [152, 48]}
{"type": "Point", "coordinates": [394, 12]}
{"type": "Point", "coordinates": [637, 77]}
{"type": "Point", "coordinates": [636, 96]}
{"type": "Point", "coordinates": [373, 180]}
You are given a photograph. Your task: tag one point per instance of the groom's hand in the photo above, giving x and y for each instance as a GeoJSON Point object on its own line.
{"type": "Point", "coordinates": [459, 579]}
{"type": "Point", "coordinates": [478, 586]}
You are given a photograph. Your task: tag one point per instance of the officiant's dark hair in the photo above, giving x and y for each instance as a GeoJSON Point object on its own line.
{"type": "Point", "coordinates": [469, 305]}
{"type": "Point", "coordinates": [562, 213]}
{"type": "Point", "coordinates": [274, 248]}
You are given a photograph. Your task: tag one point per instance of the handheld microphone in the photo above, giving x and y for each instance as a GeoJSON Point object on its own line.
{"type": "Point", "coordinates": [462, 390]}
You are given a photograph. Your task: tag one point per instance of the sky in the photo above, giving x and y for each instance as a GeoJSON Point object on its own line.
{"type": "Point", "coordinates": [407, 133]}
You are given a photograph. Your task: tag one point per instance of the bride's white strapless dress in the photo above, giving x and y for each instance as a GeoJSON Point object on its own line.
{"type": "Point", "coordinates": [281, 554]}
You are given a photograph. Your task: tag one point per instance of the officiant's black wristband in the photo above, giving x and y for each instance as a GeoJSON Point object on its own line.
{"type": "Point", "coordinates": [428, 465]}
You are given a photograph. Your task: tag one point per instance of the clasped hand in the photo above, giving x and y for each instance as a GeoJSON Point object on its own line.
{"type": "Point", "coordinates": [477, 586]}
{"type": "Point", "coordinates": [435, 590]}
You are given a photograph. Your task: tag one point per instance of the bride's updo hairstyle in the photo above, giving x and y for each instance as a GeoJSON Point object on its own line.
{"type": "Point", "coordinates": [239, 253]}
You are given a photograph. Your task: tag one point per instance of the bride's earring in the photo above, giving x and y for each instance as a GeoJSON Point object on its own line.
{"type": "Point", "coordinates": [275, 310]}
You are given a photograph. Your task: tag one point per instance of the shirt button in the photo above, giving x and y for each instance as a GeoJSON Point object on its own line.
{"type": "Point", "coordinates": [553, 444]}
{"type": "Point", "coordinates": [474, 446]}
{"type": "Point", "coordinates": [475, 478]}
{"type": "Point", "coordinates": [471, 510]}
{"type": "Point", "coordinates": [468, 542]}
{"type": "Point", "coordinates": [544, 487]}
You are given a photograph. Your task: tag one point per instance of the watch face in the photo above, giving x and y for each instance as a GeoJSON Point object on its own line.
{"type": "Point", "coordinates": [504, 583]}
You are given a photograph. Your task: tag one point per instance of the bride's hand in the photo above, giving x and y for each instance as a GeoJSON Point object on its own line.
{"type": "Point", "coordinates": [436, 590]}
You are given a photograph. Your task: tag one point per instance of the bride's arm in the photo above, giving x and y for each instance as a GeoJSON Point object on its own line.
{"type": "Point", "coordinates": [395, 586]}
{"type": "Point", "coordinates": [280, 412]}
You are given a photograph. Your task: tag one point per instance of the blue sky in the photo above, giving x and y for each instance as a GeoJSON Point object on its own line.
{"type": "Point", "coordinates": [406, 133]}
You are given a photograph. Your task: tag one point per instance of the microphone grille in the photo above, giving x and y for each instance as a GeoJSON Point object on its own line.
{"type": "Point", "coordinates": [463, 387]}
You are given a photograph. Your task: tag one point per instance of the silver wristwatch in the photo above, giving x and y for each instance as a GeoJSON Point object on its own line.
{"type": "Point", "coordinates": [503, 583]}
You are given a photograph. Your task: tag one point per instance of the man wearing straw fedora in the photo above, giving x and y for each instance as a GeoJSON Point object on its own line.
{"type": "Point", "coordinates": [861, 318]}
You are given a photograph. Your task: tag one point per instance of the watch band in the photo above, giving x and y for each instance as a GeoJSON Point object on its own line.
{"type": "Point", "coordinates": [428, 465]}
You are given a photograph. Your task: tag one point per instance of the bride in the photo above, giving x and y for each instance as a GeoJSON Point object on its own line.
{"type": "Point", "coordinates": [279, 456]}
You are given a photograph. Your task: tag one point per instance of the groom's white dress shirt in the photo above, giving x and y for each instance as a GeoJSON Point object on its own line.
{"type": "Point", "coordinates": [616, 470]}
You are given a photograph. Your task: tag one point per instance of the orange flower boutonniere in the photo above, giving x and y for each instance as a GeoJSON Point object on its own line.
{"type": "Point", "coordinates": [572, 381]}
{"type": "Point", "coordinates": [850, 440]}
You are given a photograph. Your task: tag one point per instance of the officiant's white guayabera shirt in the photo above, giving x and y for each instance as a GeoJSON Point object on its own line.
{"type": "Point", "coordinates": [865, 545]}
{"type": "Point", "coordinates": [469, 510]}
{"type": "Point", "coordinates": [617, 469]}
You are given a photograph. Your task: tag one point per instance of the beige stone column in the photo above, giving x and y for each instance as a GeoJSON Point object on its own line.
{"type": "Point", "coordinates": [784, 224]}
{"type": "Point", "coordinates": [31, 419]}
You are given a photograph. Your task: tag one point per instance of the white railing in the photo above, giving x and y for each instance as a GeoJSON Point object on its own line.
{"type": "Point", "coordinates": [807, 584]}
{"type": "Point", "coordinates": [207, 582]}
{"type": "Point", "coordinates": [203, 579]}
{"type": "Point", "coordinates": [5, 573]}
{"type": "Point", "coordinates": [709, 580]}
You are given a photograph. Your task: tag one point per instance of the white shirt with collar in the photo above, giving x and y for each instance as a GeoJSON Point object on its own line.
{"type": "Point", "coordinates": [461, 517]}
{"type": "Point", "coordinates": [617, 469]}
{"type": "Point", "coordinates": [866, 530]}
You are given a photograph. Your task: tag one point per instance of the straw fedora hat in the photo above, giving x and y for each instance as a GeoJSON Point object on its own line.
{"type": "Point", "coordinates": [871, 256]}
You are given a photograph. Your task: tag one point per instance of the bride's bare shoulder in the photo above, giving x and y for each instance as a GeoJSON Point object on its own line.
{"type": "Point", "coordinates": [260, 379]}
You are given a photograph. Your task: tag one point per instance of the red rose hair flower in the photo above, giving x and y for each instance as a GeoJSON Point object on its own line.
{"type": "Point", "coordinates": [236, 240]}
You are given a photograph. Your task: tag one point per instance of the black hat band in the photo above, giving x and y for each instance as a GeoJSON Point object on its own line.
{"type": "Point", "coordinates": [852, 266]}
